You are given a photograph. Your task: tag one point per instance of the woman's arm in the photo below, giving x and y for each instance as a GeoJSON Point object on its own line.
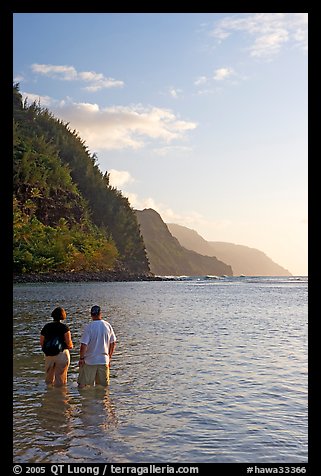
{"type": "Point", "coordinates": [42, 340]}
{"type": "Point", "coordinates": [68, 341]}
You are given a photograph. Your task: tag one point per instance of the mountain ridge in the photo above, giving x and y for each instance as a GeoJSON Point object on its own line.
{"type": "Point", "coordinates": [244, 260]}
{"type": "Point", "coordinates": [166, 255]}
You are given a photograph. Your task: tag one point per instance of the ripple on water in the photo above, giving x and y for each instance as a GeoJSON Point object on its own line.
{"type": "Point", "coordinates": [212, 372]}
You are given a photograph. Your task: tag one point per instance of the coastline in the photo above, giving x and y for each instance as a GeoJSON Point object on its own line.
{"type": "Point", "coordinates": [86, 276]}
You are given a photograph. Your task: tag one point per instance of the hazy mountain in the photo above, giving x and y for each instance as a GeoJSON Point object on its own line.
{"type": "Point", "coordinates": [244, 260]}
{"type": "Point", "coordinates": [168, 257]}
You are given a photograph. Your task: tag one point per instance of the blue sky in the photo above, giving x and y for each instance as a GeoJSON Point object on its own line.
{"type": "Point", "coordinates": [201, 116]}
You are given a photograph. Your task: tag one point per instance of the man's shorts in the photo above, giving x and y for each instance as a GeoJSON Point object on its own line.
{"type": "Point", "coordinates": [93, 374]}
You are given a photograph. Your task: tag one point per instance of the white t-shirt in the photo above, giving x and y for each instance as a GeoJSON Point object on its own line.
{"type": "Point", "coordinates": [97, 335]}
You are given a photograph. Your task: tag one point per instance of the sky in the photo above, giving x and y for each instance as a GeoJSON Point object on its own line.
{"type": "Point", "coordinates": [200, 116]}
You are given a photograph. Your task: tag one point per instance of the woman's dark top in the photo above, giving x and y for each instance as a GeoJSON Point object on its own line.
{"type": "Point", "coordinates": [55, 329]}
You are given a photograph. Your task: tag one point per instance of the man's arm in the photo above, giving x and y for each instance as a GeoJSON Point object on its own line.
{"type": "Point", "coordinates": [112, 347]}
{"type": "Point", "coordinates": [83, 348]}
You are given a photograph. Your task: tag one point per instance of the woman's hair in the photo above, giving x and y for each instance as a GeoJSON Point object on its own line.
{"type": "Point", "coordinates": [58, 314]}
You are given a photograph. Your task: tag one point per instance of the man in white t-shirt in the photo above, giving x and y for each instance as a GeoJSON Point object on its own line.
{"type": "Point", "coordinates": [97, 344]}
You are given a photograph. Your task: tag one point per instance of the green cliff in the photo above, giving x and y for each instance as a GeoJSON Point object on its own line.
{"type": "Point", "coordinates": [67, 217]}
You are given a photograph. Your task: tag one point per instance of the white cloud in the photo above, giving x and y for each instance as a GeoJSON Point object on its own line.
{"type": "Point", "coordinates": [44, 100]}
{"type": "Point", "coordinates": [96, 81]}
{"type": "Point", "coordinates": [167, 214]}
{"type": "Point", "coordinates": [200, 81]}
{"type": "Point", "coordinates": [222, 73]}
{"type": "Point", "coordinates": [66, 73]}
{"type": "Point", "coordinates": [269, 43]}
{"type": "Point", "coordinates": [192, 220]}
{"type": "Point", "coordinates": [121, 127]}
{"type": "Point", "coordinates": [270, 31]}
{"type": "Point", "coordinates": [119, 178]}
{"type": "Point", "coordinates": [205, 84]}
{"type": "Point", "coordinates": [175, 92]}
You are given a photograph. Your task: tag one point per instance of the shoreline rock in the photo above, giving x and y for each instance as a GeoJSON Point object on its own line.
{"type": "Point", "coordinates": [86, 276]}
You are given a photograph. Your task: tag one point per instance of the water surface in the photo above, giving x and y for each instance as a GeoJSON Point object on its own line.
{"type": "Point", "coordinates": [205, 370]}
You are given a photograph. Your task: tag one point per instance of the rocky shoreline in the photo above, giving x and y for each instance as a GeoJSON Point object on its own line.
{"type": "Point", "coordinates": [60, 277]}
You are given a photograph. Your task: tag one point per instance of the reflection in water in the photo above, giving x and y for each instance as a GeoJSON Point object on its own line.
{"type": "Point", "coordinates": [64, 422]}
{"type": "Point", "coordinates": [97, 410]}
{"type": "Point", "coordinates": [55, 410]}
{"type": "Point", "coordinates": [93, 420]}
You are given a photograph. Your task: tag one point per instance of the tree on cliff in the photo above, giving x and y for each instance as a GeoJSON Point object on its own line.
{"type": "Point", "coordinates": [62, 201]}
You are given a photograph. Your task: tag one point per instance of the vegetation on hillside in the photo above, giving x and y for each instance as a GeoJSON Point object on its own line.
{"type": "Point", "coordinates": [67, 216]}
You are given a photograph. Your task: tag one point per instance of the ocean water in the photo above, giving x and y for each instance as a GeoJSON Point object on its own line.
{"type": "Point", "coordinates": [206, 370]}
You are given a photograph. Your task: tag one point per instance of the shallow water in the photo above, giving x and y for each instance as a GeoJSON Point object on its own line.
{"type": "Point", "coordinates": [205, 370]}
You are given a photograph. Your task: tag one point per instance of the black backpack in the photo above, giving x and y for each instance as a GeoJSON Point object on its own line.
{"type": "Point", "coordinates": [52, 346]}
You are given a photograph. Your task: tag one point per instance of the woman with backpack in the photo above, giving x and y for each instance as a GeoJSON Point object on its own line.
{"type": "Point", "coordinates": [55, 341]}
